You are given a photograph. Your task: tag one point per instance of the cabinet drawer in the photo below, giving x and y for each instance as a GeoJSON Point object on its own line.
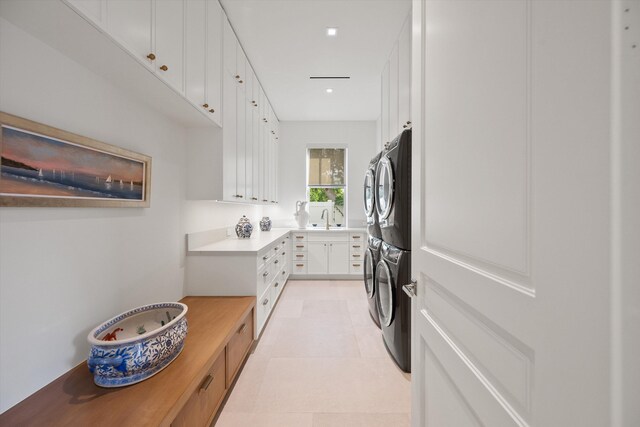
{"type": "Point", "coordinates": [263, 307]}
{"type": "Point", "coordinates": [357, 237]}
{"type": "Point", "coordinates": [299, 267]}
{"type": "Point", "coordinates": [277, 288]}
{"type": "Point", "coordinates": [357, 256]}
{"type": "Point", "coordinates": [299, 256]}
{"type": "Point", "coordinates": [239, 346]}
{"type": "Point", "coordinates": [357, 246]}
{"type": "Point", "coordinates": [265, 277]}
{"type": "Point", "coordinates": [299, 246]}
{"type": "Point", "coordinates": [299, 237]}
{"type": "Point", "coordinates": [202, 404]}
{"type": "Point", "coordinates": [330, 236]}
{"type": "Point", "coordinates": [356, 267]}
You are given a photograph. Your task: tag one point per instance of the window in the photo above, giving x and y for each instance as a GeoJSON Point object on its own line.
{"type": "Point", "coordinates": [327, 185]}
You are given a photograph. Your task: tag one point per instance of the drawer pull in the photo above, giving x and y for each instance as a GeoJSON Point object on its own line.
{"type": "Point", "coordinates": [283, 272]}
{"type": "Point", "coordinates": [356, 237]}
{"type": "Point", "coordinates": [242, 329]}
{"type": "Point", "coordinates": [356, 265]}
{"type": "Point", "coordinates": [276, 248]}
{"type": "Point", "coordinates": [299, 256]}
{"type": "Point", "coordinates": [283, 242]}
{"type": "Point", "coordinates": [206, 383]}
{"type": "Point", "coordinates": [299, 246]}
{"type": "Point", "coordinates": [356, 256]}
{"type": "Point", "coordinates": [299, 237]}
{"type": "Point", "coordinates": [265, 274]}
{"type": "Point", "coordinates": [266, 301]}
{"type": "Point", "coordinates": [275, 262]}
{"type": "Point", "coordinates": [266, 257]}
{"type": "Point", "coordinates": [276, 285]}
{"type": "Point", "coordinates": [299, 265]}
{"type": "Point", "coordinates": [284, 253]}
{"type": "Point", "coordinates": [356, 246]}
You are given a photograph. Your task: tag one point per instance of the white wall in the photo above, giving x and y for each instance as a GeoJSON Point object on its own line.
{"type": "Point", "coordinates": [295, 137]}
{"type": "Point", "coordinates": [63, 271]}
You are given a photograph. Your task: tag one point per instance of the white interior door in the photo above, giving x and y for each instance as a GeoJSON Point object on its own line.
{"type": "Point", "coordinates": [511, 213]}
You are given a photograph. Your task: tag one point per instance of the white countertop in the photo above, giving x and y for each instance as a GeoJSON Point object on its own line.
{"type": "Point", "coordinates": [259, 240]}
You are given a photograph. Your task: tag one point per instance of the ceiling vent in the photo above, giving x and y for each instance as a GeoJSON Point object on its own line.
{"type": "Point", "coordinates": [329, 77]}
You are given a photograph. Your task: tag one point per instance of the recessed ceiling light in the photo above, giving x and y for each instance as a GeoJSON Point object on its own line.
{"type": "Point", "coordinates": [329, 90]}
{"type": "Point", "coordinates": [332, 31]}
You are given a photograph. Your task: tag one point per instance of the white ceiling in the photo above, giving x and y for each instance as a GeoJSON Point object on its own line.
{"type": "Point", "coordinates": [286, 42]}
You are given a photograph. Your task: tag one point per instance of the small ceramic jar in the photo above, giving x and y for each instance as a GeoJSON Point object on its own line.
{"type": "Point", "coordinates": [244, 228]}
{"type": "Point", "coordinates": [265, 223]}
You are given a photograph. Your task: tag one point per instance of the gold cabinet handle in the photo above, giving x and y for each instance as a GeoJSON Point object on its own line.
{"type": "Point", "coordinates": [299, 265]}
{"type": "Point", "coordinates": [151, 57]}
{"type": "Point", "coordinates": [254, 198]}
{"type": "Point", "coordinates": [356, 265]}
{"type": "Point", "coordinates": [355, 246]}
{"type": "Point", "coordinates": [356, 256]}
{"type": "Point", "coordinates": [299, 256]}
{"type": "Point", "coordinates": [299, 246]}
{"type": "Point", "coordinates": [237, 76]}
{"type": "Point", "coordinates": [240, 81]}
{"type": "Point", "coordinates": [205, 105]}
{"type": "Point", "coordinates": [164, 68]}
{"type": "Point", "coordinates": [213, 111]}
{"type": "Point", "coordinates": [206, 383]}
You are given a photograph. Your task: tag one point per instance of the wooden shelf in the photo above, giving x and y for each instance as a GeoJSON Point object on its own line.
{"type": "Point", "coordinates": [73, 399]}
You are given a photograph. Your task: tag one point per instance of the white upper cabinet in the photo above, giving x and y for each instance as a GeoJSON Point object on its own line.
{"type": "Point", "coordinates": [130, 23]}
{"type": "Point", "coordinates": [393, 93]}
{"type": "Point", "coordinates": [229, 139]}
{"type": "Point", "coordinates": [195, 52]}
{"type": "Point", "coordinates": [241, 133]}
{"type": "Point", "coordinates": [213, 58]}
{"type": "Point", "coordinates": [384, 116]}
{"type": "Point", "coordinates": [169, 38]}
{"type": "Point", "coordinates": [404, 76]}
{"type": "Point", "coordinates": [230, 44]}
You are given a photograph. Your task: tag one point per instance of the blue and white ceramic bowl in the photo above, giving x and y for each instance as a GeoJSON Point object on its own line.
{"type": "Point", "coordinates": [137, 344]}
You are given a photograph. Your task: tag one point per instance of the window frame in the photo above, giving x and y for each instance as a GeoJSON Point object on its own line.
{"type": "Point", "coordinates": [346, 175]}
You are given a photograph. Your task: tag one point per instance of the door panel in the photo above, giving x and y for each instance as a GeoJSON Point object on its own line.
{"type": "Point", "coordinates": [214, 59]}
{"type": "Point", "coordinates": [195, 52]}
{"type": "Point", "coordinates": [510, 213]}
{"type": "Point", "coordinates": [130, 23]}
{"type": "Point", "coordinates": [339, 258]}
{"type": "Point", "coordinates": [316, 258]}
{"type": "Point", "coordinates": [169, 37]}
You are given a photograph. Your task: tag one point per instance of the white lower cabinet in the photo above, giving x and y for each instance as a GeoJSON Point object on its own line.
{"type": "Point", "coordinates": [262, 274]}
{"type": "Point", "coordinates": [327, 253]}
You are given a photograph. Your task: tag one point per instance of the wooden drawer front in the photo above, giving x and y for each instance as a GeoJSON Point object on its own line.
{"type": "Point", "coordinates": [201, 406]}
{"type": "Point", "coordinates": [299, 267]}
{"type": "Point", "coordinates": [357, 237]}
{"type": "Point", "coordinates": [299, 237]}
{"type": "Point", "coordinates": [356, 267]}
{"type": "Point", "coordinates": [239, 346]}
{"type": "Point", "coordinates": [299, 256]}
{"type": "Point", "coordinates": [357, 256]}
{"type": "Point", "coordinates": [330, 236]}
{"type": "Point", "coordinates": [299, 247]}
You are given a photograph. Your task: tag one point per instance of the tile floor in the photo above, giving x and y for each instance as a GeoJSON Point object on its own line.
{"type": "Point", "coordinates": [320, 363]}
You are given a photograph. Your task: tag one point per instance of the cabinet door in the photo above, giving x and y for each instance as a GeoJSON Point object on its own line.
{"type": "Point", "coordinates": [339, 258]}
{"type": "Point", "coordinates": [92, 9]}
{"type": "Point", "coordinates": [275, 169]}
{"type": "Point", "coordinates": [230, 44]}
{"type": "Point", "coordinates": [229, 88]}
{"type": "Point", "coordinates": [241, 133]}
{"type": "Point", "coordinates": [214, 60]}
{"type": "Point", "coordinates": [404, 76]}
{"type": "Point", "coordinates": [255, 123]}
{"type": "Point", "coordinates": [393, 93]}
{"type": "Point", "coordinates": [384, 116]}
{"type": "Point", "coordinates": [169, 38]}
{"type": "Point", "coordinates": [317, 258]}
{"type": "Point", "coordinates": [248, 163]}
{"type": "Point", "coordinates": [195, 52]}
{"type": "Point", "coordinates": [130, 24]}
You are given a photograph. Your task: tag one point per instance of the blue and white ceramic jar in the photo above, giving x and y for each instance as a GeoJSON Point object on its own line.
{"type": "Point", "coordinates": [265, 223]}
{"type": "Point", "coordinates": [244, 228]}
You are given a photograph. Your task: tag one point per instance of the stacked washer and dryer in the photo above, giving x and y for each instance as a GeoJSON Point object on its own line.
{"type": "Point", "coordinates": [387, 200]}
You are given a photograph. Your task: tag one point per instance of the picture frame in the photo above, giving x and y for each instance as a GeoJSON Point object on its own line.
{"type": "Point", "coordinates": [42, 166]}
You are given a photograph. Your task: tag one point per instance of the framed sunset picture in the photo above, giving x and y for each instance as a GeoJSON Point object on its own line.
{"type": "Point", "coordinates": [45, 166]}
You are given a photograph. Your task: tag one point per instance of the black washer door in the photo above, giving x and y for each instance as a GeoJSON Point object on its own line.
{"type": "Point", "coordinates": [369, 274]}
{"type": "Point", "coordinates": [386, 293]}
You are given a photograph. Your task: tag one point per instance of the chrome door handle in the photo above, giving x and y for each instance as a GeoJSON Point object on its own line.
{"type": "Point", "coordinates": [410, 289]}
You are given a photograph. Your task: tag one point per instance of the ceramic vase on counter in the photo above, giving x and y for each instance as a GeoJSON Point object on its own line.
{"type": "Point", "coordinates": [301, 216]}
{"type": "Point", "coordinates": [244, 228]}
{"type": "Point", "coordinates": [265, 224]}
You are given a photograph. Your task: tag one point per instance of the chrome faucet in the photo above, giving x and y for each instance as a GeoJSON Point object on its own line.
{"type": "Point", "coordinates": [322, 217]}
